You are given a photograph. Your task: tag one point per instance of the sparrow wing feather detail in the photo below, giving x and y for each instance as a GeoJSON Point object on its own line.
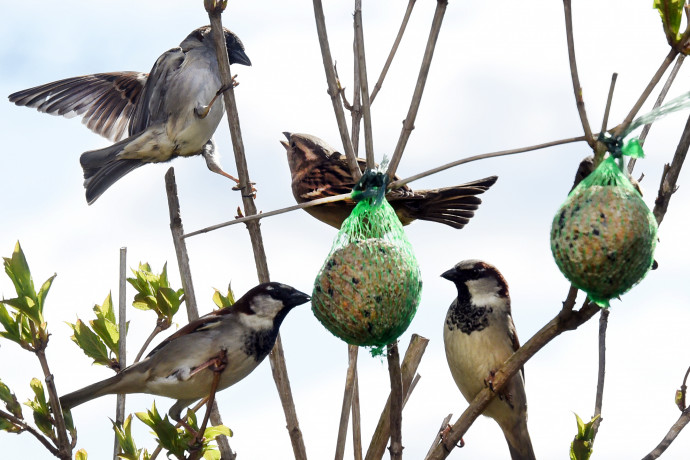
{"type": "Point", "coordinates": [105, 101]}
{"type": "Point", "coordinates": [151, 108]}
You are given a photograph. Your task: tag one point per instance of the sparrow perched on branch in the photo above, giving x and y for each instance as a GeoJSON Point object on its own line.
{"type": "Point", "coordinates": [180, 366]}
{"type": "Point", "coordinates": [479, 336]}
{"type": "Point", "coordinates": [171, 111]}
{"type": "Point", "coordinates": [319, 171]}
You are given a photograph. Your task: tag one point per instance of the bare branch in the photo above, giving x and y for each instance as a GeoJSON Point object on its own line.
{"type": "Point", "coordinates": [659, 101]}
{"type": "Point", "coordinates": [347, 401]}
{"type": "Point", "coordinates": [63, 444]}
{"type": "Point", "coordinates": [437, 439]}
{"type": "Point", "coordinates": [122, 349]}
{"type": "Point", "coordinates": [670, 176]}
{"type": "Point", "coordinates": [574, 76]}
{"type": "Point", "coordinates": [396, 399]}
{"type": "Point", "coordinates": [408, 124]}
{"type": "Point", "coordinates": [675, 430]}
{"type": "Point", "coordinates": [409, 366]}
{"type": "Point", "coordinates": [394, 49]}
{"type": "Point", "coordinates": [29, 429]}
{"type": "Point", "coordinates": [333, 90]}
{"type": "Point", "coordinates": [356, 421]}
{"type": "Point", "coordinates": [599, 400]}
{"type": "Point", "coordinates": [647, 91]}
{"type": "Point", "coordinates": [364, 85]}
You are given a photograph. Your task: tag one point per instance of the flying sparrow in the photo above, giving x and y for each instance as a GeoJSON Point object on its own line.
{"type": "Point", "coordinates": [479, 336]}
{"type": "Point", "coordinates": [172, 111]}
{"type": "Point", "coordinates": [180, 366]}
{"type": "Point", "coordinates": [319, 171]}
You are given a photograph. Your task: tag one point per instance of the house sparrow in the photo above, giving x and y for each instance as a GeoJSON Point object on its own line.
{"type": "Point", "coordinates": [479, 336]}
{"type": "Point", "coordinates": [169, 112]}
{"type": "Point", "coordinates": [318, 171]}
{"type": "Point", "coordinates": [179, 367]}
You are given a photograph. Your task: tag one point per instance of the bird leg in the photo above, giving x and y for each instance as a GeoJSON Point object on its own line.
{"type": "Point", "coordinates": [202, 112]}
{"type": "Point", "coordinates": [217, 365]}
{"type": "Point", "coordinates": [503, 395]}
{"type": "Point", "coordinates": [444, 432]}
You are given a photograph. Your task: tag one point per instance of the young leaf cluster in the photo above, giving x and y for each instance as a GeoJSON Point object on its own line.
{"type": "Point", "coordinates": [101, 341]}
{"type": "Point", "coordinates": [24, 323]}
{"type": "Point", "coordinates": [154, 293]}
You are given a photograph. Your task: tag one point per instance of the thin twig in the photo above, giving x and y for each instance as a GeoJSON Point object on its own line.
{"type": "Point", "coordinates": [31, 430]}
{"type": "Point", "coordinates": [177, 231]}
{"type": "Point", "coordinates": [577, 89]}
{"type": "Point", "coordinates": [609, 100]}
{"type": "Point", "coordinates": [356, 421]}
{"type": "Point", "coordinates": [277, 356]}
{"type": "Point", "coordinates": [356, 110]}
{"type": "Point", "coordinates": [394, 49]}
{"type": "Point", "coordinates": [566, 320]}
{"type": "Point", "coordinates": [675, 430]}
{"type": "Point", "coordinates": [122, 348]}
{"type": "Point", "coordinates": [647, 91]}
{"type": "Point", "coordinates": [408, 123]}
{"type": "Point", "coordinates": [599, 400]}
{"type": "Point", "coordinates": [659, 100]}
{"type": "Point", "coordinates": [364, 85]}
{"type": "Point", "coordinates": [396, 399]}
{"type": "Point", "coordinates": [604, 318]}
{"type": "Point", "coordinates": [391, 186]}
{"type": "Point", "coordinates": [413, 356]}
{"type": "Point", "coordinates": [437, 439]}
{"type": "Point", "coordinates": [333, 89]}
{"type": "Point", "coordinates": [161, 325]}
{"type": "Point", "coordinates": [63, 444]}
{"type": "Point", "coordinates": [347, 401]}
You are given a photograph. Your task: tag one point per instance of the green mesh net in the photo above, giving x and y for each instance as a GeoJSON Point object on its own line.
{"type": "Point", "coordinates": [603, 236]}
{"type": "Point", "coordinates": [368, 289]}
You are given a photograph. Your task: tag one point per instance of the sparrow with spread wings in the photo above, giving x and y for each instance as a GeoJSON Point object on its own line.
{"type": "Point", "coordinates": [319, 171]}
{"type": "Point", "coordinates": [171, 111]}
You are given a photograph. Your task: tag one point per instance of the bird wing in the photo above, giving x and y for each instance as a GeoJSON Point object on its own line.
{"type": "Point", "coordinates": [150, 109]}
{"type": "Point", "coordinates": [105, 101]}
{"type": "Point", "coordinates": [512, 335]}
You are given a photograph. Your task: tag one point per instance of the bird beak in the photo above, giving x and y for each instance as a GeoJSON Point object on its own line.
{"type": "Point", "coordinates": [298, 298]}
{"type": "Point", "coordinates": [239, 57]}
{"type": "Point", "coordinates": [286, 144]}
{"type": "Point", "coordinates": [449, 275]}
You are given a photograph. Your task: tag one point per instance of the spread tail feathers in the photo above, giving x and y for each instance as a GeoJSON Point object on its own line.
{"type": "Point", "coordinates": [102, 168]}
{"type": "Point", "coordinates": [453, 206]}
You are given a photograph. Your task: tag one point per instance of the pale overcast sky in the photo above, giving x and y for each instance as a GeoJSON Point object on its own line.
{"type": "Point", "coordinates": [500, 79]}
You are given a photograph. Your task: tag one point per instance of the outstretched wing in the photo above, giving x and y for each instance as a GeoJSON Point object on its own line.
{"type": "Point", "coordinates": [106, 101]}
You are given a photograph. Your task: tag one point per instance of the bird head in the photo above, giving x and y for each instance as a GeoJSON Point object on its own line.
{"type": "Point", "coordinates": [203, 37]}
{"type": "Point", "coordinates": [478, 282]}
{"type": "Point", "coordinates": [303, 149]}
{"type": "Point", "coordinates": [268, 303]}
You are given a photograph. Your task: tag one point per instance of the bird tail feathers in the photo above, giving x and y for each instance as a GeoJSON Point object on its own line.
{"type": "Point", "coordinates": [453, 206]}
{"type": "Point", "coordinates": [103, 167]}
{"type": "Point", "coordinates": [104, 387]}
{"type": "Point", "coordinates": [519, 442]}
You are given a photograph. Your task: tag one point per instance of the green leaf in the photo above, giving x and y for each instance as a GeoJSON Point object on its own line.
{"type": "Point", "coordinates": [223, 301]}
{"type": "Point", "coordinates": [671, 12]}
{"type": "Point", "coordinates": [10, 400]}
{"type": "Point", "coordinates": [43, 292]}
{"type": "Point", "coordinates": [106, 310]}
{"type": "Point", "coordinates": [90, 343]}
{"type": "Point", "coordinates": [6, 425]}
{"type": "Point", "coordinates": [211, 453]}
{"type": "Point", "coordinates": [581, 447]}
{"type": "Point", "coordinates": [11, 324]}
{"type": "Point", "coordinates": [42, 417]}
{"type": "Point", "coordinates": [26, 306]}
{"type": "Point", "coordinates": [218, 430]}
{"type": "Point", "coordinates": [81, 455]}
{"type": "Point", "coordinates": [123, 433]}
{"type": "Point", "coordinates": [17, 268]}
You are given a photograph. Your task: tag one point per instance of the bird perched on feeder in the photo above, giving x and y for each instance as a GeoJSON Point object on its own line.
{"type": "Point", "coordinates": [171, 111]}
{"type": "Point", "coordinates": [319, 171]}
{"type": "Point", "coordinates": [479, 336]}
{"type": "Point", "coordinates": [181, 367]}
